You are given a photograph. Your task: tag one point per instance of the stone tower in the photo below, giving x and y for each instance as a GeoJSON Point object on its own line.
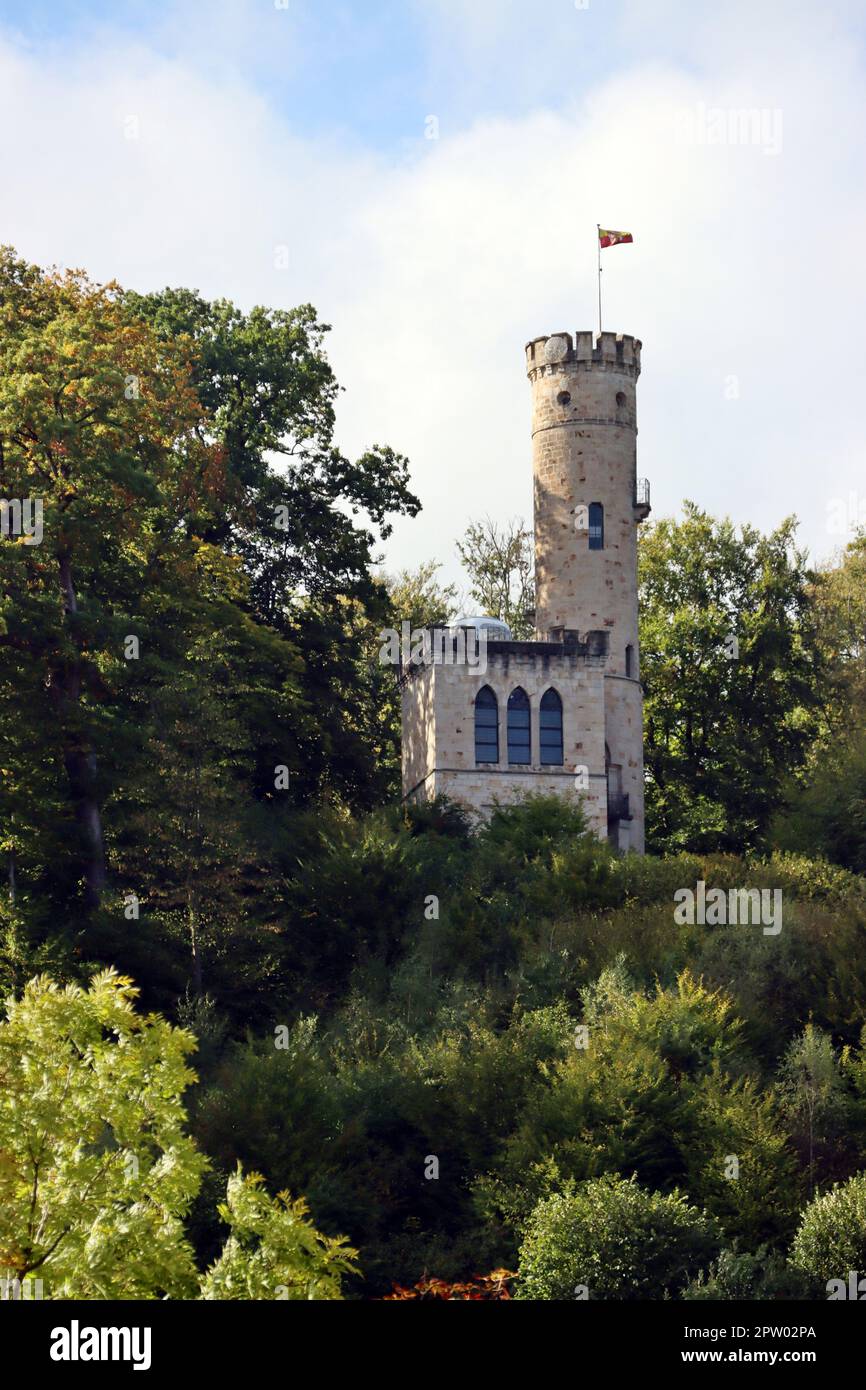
{"type": "Point", "coordinates": [588, 503]}
{"type": "Point", "coordinates": [560, 715]}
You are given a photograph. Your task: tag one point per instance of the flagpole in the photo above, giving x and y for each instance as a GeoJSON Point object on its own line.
{"type": "Point", "coordinates": [598, 241]}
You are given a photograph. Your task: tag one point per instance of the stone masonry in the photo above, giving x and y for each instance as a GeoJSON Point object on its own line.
{"type": "Point", "coordinates": [584, 433]}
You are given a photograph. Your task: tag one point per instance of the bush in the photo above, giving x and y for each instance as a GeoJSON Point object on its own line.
{"type": "Point", "coordinates": [645, 879]}
{"type": "Point", "coordinates": [616, 1240]}
{"type": "Point", "coordinates": [831, 1241]}
{"type": "Point", "coordinates": [741, 1277]}
{"type": "Point", "coordinates": [810, 879]}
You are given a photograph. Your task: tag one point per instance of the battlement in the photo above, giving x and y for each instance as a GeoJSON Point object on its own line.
{"type": "Point", "coordinates": [614, 352]}
{"type": "Point", "coordinates": [485, 723]}
{"type": "Point", "coordinates": [444, 650]}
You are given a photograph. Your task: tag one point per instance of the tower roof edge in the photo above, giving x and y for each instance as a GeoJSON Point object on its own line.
{"type": "Point", "coordinates": [553, 350]}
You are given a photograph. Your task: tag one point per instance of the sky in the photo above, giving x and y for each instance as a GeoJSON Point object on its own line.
{"type": "Point", "coordinates": [429, 174]}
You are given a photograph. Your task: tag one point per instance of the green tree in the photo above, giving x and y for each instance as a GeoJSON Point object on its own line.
{"type": "Point", "coordinates": [501, 568]}
{"type": "Point", "coordinates": [840, 602]}
{"type": "Point", "coordinates": [100, 423]}
{"type": "Point", "coordinates": [615, 1241]}
{"type": "Point", "coordinates": [655, 1087]}
{"type": "Point", "coordinates": [827, 796]}
{"type": "Point", "coordinates": [733, 678]}
{"type": "Point", "coordinates": [97, 1172]}
{"type": "Point", "coordinates": [812, 1091]}
{"type": "Point", "coordinates": [303, 519]}
{"type": "Point", "coordinates": [417, 597]}
{"type": "Point", "coordinates": [273, 1251]}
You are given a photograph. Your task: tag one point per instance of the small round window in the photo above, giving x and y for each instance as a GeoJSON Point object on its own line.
{"type": "Point", "coordinates": [564, 398]}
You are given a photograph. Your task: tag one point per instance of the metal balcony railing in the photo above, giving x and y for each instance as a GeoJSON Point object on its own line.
{"type": "Point", "coordinates": [617, 806]}
{"type": "Point", "coordinates": [642, 497]}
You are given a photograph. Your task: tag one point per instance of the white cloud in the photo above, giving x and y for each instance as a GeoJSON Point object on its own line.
{"type": "Point", "coordinates": [435, 264]}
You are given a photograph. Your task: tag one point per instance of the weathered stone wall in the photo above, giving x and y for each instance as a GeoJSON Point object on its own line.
{"type": "Point", "coordinates": [418, 733]}
{"type": "Point", "coordinates": [584, 432]}
{"type": "Point", "coordinates": [584, 441]}
{"type": "Point", "coordinates": [624, 734]}
{"type": "Point", "coordinates": [451, 768]}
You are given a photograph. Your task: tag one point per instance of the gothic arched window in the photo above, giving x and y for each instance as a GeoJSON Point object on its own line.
{"type": "Point", "coordinates": [519, 737]}
{"type": "Point", "coordinates": [486, 726]}
{"type": "Point", "coordinates": [550, 731]}
{"type": "Point", "coordinates": [596, 526]}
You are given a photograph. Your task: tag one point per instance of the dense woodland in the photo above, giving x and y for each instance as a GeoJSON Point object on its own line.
{"type": "Point", "coordinates": [452, 1049]}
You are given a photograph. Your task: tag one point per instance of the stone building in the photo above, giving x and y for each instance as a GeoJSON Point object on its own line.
{"type": "Point", "coordinates": [495, 719]}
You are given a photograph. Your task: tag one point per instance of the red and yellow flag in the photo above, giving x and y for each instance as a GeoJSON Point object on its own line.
{"type": "Point", "coordinates": [613, 238]}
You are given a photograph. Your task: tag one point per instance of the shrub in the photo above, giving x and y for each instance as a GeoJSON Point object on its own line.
{"type": "Point", "coordinates": [616, 1240]}
{"type": "Point", "coordinates": [646, 879]}
{"type": "Point", "coordinates": [831, 1240]}
{"type": "Point", "coordinates": [740, 1276]}
{"type": "Point", "coordinates": [810, 879]}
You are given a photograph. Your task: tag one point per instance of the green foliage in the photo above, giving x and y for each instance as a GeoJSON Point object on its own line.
{"type": "Point", "coordinates": [739, 1276]}
{"type": "Point", "coordinates": [375, 984]}
{"type": "Point", "coordinates": [304, 532]}
{"type": "Point", "coordinates": [839, 598]}
{"type": "Point", "coordinates": [359, 1111]}
{"type": "Point", "coordinates": [739, 1162]}
{"type": "Point", "coordinates": [827, 809]}
{"type": "Point", "coordinates": [654, 1087]}
{"type": "Point", "coordinates": [273, 1251]}
{"type": "Point", "coordinates": [98, 1175]}
{"type": "Point", "coordinates": [614, 1240]}
{"type": "Point", "coordinates": [25, 951]}
{"type": "Point", "coordinates": [500, 564]}
{"type": "Point", "coordinates": [831, 1239]}
{"type": "Point", "coordinates": [456, 1036]}
{"type": "Point", "coordinates": [723, 724]}
{"type": "Point", "coordinates": [417, 597]}
{"type": "Point", "coordinates": [97, 1171]}
{"type": "Point", "coordinates": [147, 426]}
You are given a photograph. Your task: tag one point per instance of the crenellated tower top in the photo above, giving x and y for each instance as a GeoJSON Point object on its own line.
{"type": "Point", "coordinates": [616, 352]}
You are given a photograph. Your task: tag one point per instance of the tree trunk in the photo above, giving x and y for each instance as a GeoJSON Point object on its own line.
{"type": "Point", "coordinates": [79, 759]}
{"type": "Point", "coordinates": [80, 764]}
{"type": "Point", "coordinates": [197, 973]}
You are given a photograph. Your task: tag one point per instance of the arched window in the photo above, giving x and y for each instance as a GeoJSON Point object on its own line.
{"type": "Point", "coordinates": [486, 726]}
{"type": "Point", "coordinates": [550, 731]}
{"type": "Point", "coordinates": [519, 739]}
{"type": "Point", "coordinates": [596, 526]}
{"type": "Point", "coordinates": [629, 661]}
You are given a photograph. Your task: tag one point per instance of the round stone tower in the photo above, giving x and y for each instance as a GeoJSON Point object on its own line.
{"type": "Point", "coordinates": [588, 503]}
